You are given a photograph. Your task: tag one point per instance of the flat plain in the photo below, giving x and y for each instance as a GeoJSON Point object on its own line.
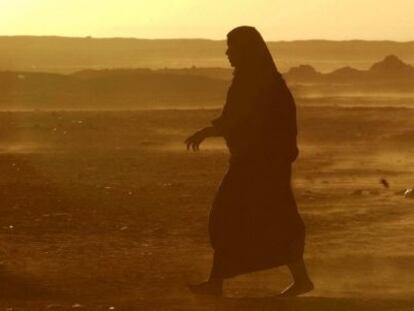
{"type": "Point", "coordinates": [107, 210]}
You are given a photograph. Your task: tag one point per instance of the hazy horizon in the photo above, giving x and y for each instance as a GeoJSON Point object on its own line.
{"type": "Point", "coordinates": [203, 39]}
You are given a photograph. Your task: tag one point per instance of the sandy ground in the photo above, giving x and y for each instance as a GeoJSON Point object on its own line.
{"type": "Point", "coordinates": [108, 211]}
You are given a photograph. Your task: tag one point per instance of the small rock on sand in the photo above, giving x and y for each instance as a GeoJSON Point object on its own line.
{"type": "Point", "coordinates": [409, 193]}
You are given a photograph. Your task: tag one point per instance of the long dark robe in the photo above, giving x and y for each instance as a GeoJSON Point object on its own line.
{"type": "Point", "coordinates": [254, 223]}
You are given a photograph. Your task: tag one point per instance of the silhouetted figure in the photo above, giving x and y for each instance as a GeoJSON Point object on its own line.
{"type": "Point", "coordinates": [254, 223]}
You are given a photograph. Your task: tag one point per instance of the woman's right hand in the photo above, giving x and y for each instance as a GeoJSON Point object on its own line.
{"type": "Point", "coordinates": [196, 139]}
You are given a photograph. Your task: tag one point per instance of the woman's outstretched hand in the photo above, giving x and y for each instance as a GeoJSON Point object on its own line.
{"type": "Point", "coordinates": [196, 139]}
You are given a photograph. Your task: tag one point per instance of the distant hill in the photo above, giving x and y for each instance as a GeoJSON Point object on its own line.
{"type": "Point", "coordinates": [67, 55]}
{"type": "Point", "coordinates": [174, 88]}
{"type": "Point", "coordinates": [117, 89]}
{"type": "Point", "coordinates": [391, 69]}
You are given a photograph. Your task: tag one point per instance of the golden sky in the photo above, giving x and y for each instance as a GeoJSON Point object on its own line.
{"type": "Point", "coordinates": [276, 19]}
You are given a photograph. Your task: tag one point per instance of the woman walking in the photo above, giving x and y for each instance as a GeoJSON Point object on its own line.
{"type": "Point", "coordinates": [254, 223]}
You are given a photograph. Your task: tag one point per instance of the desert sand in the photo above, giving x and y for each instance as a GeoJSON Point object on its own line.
{"type": "Point", "coordinates": [107, 210]}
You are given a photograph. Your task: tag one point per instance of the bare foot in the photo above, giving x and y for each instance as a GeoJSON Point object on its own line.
{"type": "Point", "coordinates": [206, 288]}
{"type": "Point", "coordinates": [296, 289]}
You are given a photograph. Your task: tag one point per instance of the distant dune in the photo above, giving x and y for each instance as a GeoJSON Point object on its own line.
{"type": "Point", "coordinates": [184, 88]}
{"type": "Point", "coordinates": [390, 69]}
{"type": "Point", "coordinates": [65, 55]}
{"type": "Point", "coordinates": [115, 89]}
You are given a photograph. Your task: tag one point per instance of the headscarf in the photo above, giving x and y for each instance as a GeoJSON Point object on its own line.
{"type": "Point", "coordinates": [256, 57]}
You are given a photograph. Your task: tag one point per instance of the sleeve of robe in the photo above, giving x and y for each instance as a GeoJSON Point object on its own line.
{"type": "Point", "coordinates": [236, 110]}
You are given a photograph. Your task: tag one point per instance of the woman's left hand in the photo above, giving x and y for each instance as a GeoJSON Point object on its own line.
{"type": "Point", "coordinates": [195, 140]}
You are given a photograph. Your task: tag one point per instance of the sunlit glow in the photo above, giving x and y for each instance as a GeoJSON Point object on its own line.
{"type": "Point", "coordinates": [276, 19]}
